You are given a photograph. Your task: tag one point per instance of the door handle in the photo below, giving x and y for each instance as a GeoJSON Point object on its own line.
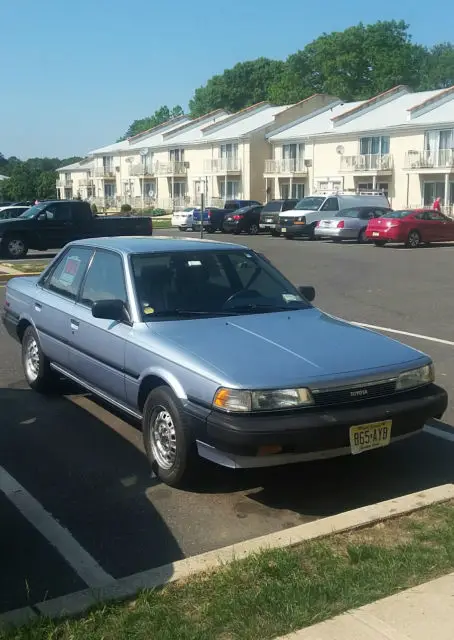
{"type": "Point", "coordinates": [38, 307]}
{"type": "Point", "coordinates": [74, 325]}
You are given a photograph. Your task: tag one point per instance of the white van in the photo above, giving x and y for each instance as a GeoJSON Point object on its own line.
{"type": "Point", "coordinates": [301, 221]}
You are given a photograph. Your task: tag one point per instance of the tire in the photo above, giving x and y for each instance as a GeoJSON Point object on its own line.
{"type": "Point", "coordinates": [209, 229]}
{"type": "Point", "coordinates": [379, 243]}
{"type": "Point", "coordinates": [172, 454]}
{"type": "Point", "coordinates": [14, 247]}
{"type": "Point", "coordinates": [37, 371]}
{"type": "Point", "coordinates": [253, 229]}
{"type": "Point", "coordinates": [237, 232]}
{"type": "Point", "coordinates": [181, 228]}
{"type": "Point", "coordinates": [289, 237]}
{"type": "Point", "coordinates": [336, 240]}
{"type": "Point", "coordinates": [362, 239]}
{"type": "Point", "coordinates": [275, 234]}
{"type": "Point", "coordinates": [413, 240]}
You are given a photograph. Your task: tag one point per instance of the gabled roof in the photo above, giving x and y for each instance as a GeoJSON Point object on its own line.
{"type": "Point", "coordinates": [83, 165]}
{"type": "Point", "coordinates": [202, 121]}
{"type": "Point", "coordinates": [242, 113]}
{"type": "Point", "coordinates": [441, 97]}
{"type": "Point", "coordinates": [372, 103]}
{"type": "Point", "coordinates": [168, 123]}
{"type": "Point", "coordinates": [244, 126]}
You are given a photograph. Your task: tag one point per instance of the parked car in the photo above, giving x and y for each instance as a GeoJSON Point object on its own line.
{"type": "Point", "coordinates": [217, 353]}
{"type": "Point", "coordinates": [349, 224]}
{"type": "Point", "coordinates": [245, 219]}
{"type": "Point", "coordinates": [213, 217]}
{"type": "Point", "coordinates": [269, 217]}
{"type": "Point", "coordinates": [411, 227]}
{"type": "Point", "coordinates": [183, 219]}
{"type": "Point", "coordinates": [51, 224]}
{"type": "Point", "coordinates": [302, 220]}
{"type": "Point", "coordinates": [6, 213]}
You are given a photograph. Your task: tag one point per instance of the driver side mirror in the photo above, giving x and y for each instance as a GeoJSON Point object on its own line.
{"type": "Point", "coordinates": [307, 292]}
{"type": "Point", "coordinates": [110, 310]}
{"type": "Point", "coordinates": [42, 216]}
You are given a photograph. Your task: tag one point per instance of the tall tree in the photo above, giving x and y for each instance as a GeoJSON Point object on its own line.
{"type": "Point", "coordinates": [245, 84]}
{"type": "Point", "coordinates": [438, 68]}
{"type": "Point", "coordinates": [163, 114]}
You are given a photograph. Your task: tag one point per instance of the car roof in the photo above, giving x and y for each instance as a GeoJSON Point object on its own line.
{"type": "Point", "coordinates": [147, 244]}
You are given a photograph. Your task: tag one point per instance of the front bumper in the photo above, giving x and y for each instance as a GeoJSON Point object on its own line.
{"type": "Point", "coordinates": [10, 321]}
{"type": "Point", "coordinates": [312, 434]}
{"type": "Point", "coordinates": [295, 230]}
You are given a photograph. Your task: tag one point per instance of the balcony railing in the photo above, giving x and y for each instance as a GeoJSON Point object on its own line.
{"type": "Point", "coordinates": [441, 159]}
{"type": "Point", "coordinates": [365, 163]}
{"type": "Point", "coordinates": [285, 166]}
{"type": "Point", "coordinates": [105, 172]}
{"type": "Point", "coordinates": [171, 168]}
{"type": "Point", "coordinates": [223, 165]}
{"type": "Point", "coordinates": [62, 184]}
{"type": "Point", "coordinates": [142, 170]}
{"type": "Point", "coordinates": [86, 182]}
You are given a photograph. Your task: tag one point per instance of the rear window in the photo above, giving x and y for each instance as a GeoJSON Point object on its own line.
{"type": "Point", "coordinates": [273, 206]}
{"type": "Point", "coordinates": [397, 214]}
{"type": "Point", "coordinates": [349, 213]}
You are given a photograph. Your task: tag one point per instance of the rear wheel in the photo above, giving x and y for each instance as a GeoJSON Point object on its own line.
{"type": "Point", "coordinates": [336, 240]}
{"type": "Point", "coordinates": [362, 236]}
{"type": "Point", "coordinates": [254, 229]}
{"type": "Point", "coordinates": [38, 373]}
{"type": "Point", "coordinates": [275, 233]}
{"type": "Point", "coordinates": [379, 243]}
{"type": "Point", "coordinates": [413, 240]}
{"type": "Point", "coordinates": [209, 229]}
{"type": "Point", "coordinates": [167, 439]}
{"type": "Point", "coordinates": [289, 237]}
{"type": "Point", "coordinates": [15, 247]}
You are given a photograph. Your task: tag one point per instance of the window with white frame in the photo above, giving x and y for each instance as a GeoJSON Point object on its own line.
{"type": "Point", "coordinates": [293, 151]}
{"type": "Point", "coordinates": [110, 190]}
{"type": "Point", "coordinates": [229, 190]}
{"type": "Point", "coordinates": [296, 191]}
{"type": "Point", "coordinates": [436, 189]}
{"type": "Point", "coordinates": [229, 150]}
{"type": "Point", "coordinates": [179, 189]}
{"type": "Point", "coordinates": [176, 155]}
{"type": "Point", "coordinates": [369, 186]}
{"type": "Point", "coordinates": [374, 145]}
{"type": "Point", "coordinates": [439, 146]}
{"type": "Point", "coordinates": [107, 163]}
{"type": "Point", "coordinates": [146, 161]}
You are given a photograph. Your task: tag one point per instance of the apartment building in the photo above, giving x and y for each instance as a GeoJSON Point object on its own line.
{"type": "Point", "coordinates": [76, 180]}
{"type": "Point", "coordinates": [401, 142]}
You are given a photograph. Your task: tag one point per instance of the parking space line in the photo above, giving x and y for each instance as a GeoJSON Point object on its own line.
{"type": "Point", "coordinates": [60, 538]}
{"type": "Point", "coordinates": [439, 433]}
{"type": "Point", "coordinates": [450, 343]}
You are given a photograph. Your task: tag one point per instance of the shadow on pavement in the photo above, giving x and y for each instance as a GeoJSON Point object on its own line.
{"type": "Point", "coordinates": [91, 480]}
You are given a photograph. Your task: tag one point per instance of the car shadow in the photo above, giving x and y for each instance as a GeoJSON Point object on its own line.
{"type": "Point", "coordinates": [92, 480]}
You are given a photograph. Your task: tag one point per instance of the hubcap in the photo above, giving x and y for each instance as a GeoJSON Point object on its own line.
{"type": "Point", "coordinates": [414, 239]}
{"type": "Point", "coordinates": [254, 229]}
{"type": "Point", "coordinates": [32, 359]}
{"type": "Point", "coordinates": [163, 439]}
{"type": "Point", "coordinates": [16, 247]}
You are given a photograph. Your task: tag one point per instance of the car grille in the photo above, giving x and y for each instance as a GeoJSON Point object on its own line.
{"type": "Point", "coordinates": [287, 221]}
{"type": "Point", "coordinates": [354, 394]}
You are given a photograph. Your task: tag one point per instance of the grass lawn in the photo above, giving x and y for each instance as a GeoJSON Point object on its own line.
{"type": "Point", "coordinates": [26, 267]}
{"type": "Point", "coordinates": [161, 224]}
{"type": "Point", "coordinates": [278, 591]}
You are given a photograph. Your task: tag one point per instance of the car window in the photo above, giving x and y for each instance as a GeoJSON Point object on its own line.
{"type": "Point", "coordinates": [436, 216]}
{"type": "Point", "coordinates": [331, 204]}
{"type": "Point", "coordinates": [348, 213]}
{"type": "Point", "coordinates": [397, 214]}
{"type": "Point", "coordinates": [378, 213]}
{"type": "Point", "coordinates": [68, 273]}
{"type": "Point", "coordinates": [273, 206]}
{"type": "Point", "coordinates": [366, 214]}
{"type": "Point", "coordinates": [59, 211]}
{"type": "Point", "coordinates": [105, 279]}
{"type": "Point", "coordinates": [213, 283]}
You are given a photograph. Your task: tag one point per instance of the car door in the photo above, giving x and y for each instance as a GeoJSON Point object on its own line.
{"type": "Point", "coordinates": [55, 225]}
{"type": "Point", "coordinates": [55, 300]}
{"type": "Point", "coordinates": [439, 227]}
{"type": "Point", "coordinates": [97, 346]}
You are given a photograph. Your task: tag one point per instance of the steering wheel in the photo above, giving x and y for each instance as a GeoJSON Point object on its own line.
{"type": "Point", "coordinates": [241, 293]}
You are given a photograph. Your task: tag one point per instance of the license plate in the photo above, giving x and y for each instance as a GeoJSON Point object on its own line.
{"type": "Point", "coordinates": [271, 226]}
{"type": "Point", "coordinates": [375, 233]}
{"type": "Point", "coordinates": [269, 220]}
{"type": "Point", "coordinates": [263, 226]}
{"type": "Point", "coordinates": [283, 230]}
{"type": "Point", "coordinates": [365, 437]}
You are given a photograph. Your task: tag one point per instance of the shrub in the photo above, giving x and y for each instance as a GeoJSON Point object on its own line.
{"type": "Point", "coordinates": [94, 208]}
{"type": "Point", "coordinates": [125, 208]}
{"type": "Point", "coordinates": [158, 212]}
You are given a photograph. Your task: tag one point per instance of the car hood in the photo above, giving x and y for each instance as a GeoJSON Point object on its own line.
{"type": "Point", "coordinates": [287, 348]}
{"type": "Point", "coordinates": [12, 223]}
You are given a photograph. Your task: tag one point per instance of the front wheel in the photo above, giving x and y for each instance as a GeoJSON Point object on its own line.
{"type": "Point", "coordinates": [168, 442]}
{"type": "Point", "coordinates": [14, 247]}
{"type": "Point", "coordinates": [288, 237]}
{"type": "Point", "coordinates": [413, 240]}
{"type": "Point", "coordinates": [275, 233]}
{"type": "Point", "coordinates": [38, 373]}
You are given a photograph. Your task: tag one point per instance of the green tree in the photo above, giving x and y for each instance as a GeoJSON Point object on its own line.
{"type": "Point", "coordinates": [46, 185]}
{"type": "Point", "coordinates": [22, 183]}
{"type": "Point", "coordinates": [438, 68]}
{"type": "Point", "coordinates": [245, 84]}
{"type": "Point", "coordinates": [163, 114]}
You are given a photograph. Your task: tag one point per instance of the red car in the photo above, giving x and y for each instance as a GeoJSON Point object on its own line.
{"type": "Point", "coordinates": [410, 227]}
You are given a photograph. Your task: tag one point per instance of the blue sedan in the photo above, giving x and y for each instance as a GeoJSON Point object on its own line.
{"type": "Point", "coordinates": [217, 353]}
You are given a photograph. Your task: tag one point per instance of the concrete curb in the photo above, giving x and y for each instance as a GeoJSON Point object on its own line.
{"type": "Point", "coordinates": [6, 277]}
{"type": "Point", "coordinates": [78, 602]}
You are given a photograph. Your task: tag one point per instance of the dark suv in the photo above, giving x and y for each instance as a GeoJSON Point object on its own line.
{"type": "Point", "coordinates": [269, 218]}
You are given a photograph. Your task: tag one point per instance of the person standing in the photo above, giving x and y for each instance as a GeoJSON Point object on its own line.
{"type": "Point", "coordinates": [437, 204]}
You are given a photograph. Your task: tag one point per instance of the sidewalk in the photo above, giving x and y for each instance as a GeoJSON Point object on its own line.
{"type": "Point", "coordinates": [417, 614]}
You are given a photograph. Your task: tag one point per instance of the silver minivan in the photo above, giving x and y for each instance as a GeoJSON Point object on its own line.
{"type": "Point", "coordinates": [301, 221]}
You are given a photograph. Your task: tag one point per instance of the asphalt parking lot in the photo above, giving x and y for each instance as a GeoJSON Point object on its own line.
{"type": "Point", "coordinates": [79, 507]}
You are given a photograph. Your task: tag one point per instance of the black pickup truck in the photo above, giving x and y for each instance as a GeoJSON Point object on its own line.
{"type": "Point", "coordinates": [213, 217]}
{"type": "Point", "coordinates": [52, 224]}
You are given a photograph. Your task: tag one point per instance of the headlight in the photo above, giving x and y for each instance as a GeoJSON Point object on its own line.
{"type": "Point", "coordinates": [416, 377]}
{"type": "Point", "coordinates": [236, 400]}
{"type": "Point", "coordinates": [301, 220]}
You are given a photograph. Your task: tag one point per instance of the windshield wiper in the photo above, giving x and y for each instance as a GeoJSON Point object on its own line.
{"type": "Point", "coordinates": [244, 308]}
{"type": "Point", "coordinates": [190, 312]}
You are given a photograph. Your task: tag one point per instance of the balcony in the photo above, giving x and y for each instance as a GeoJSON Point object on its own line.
{"type": "Point", "coordinates": [286, 166]}
{"type": "Point", "coordinates": [108, 173]}
{"type": "Point", "coordinates": [65, 184]}
{"type": "Point", "coordinates": [172, 169]}
{"type": "Point", "coordinates": [222, 165]}
{"type": "Point", "coordinates": [86, 182]}
{"type": "Point", "coordinates": [375, 163]}
{"type": "Point", "coordinates": [422, 160]}
{"type": "Point", "coordinates": [142, 171]}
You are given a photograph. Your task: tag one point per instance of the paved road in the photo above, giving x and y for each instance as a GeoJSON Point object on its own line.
{"type": "Point", "coordinates": [85, 466]}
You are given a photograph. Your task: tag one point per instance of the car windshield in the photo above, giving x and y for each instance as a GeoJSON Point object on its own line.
{"type": "Point", "coordinates": [186, 284]}
{"type": "Point", "coordinates": [189, 210]}
{"type": "Point", "coordinates": [272, 207]}
{"type": "Point", "coordinates": [33, 211]}
{"type": "Point", "coordinates": [310, 204]}
{"type": "Point", "coordinates": [243, 209]}
{"type": "Point", "coordinates": [397, 214]}
{"type": "Point", "coordinates": [348, 213]}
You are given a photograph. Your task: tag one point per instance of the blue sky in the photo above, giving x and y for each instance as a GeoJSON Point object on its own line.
{"type": "Point", "coordinates": [75, 74]}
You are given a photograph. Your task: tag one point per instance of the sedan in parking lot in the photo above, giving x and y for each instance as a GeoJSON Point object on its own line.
{"type": "Point", "coordinates": [411, 227]}
{"type": "Point", "coordinates": [183, 219]}
{"type": "Point", "coordinates": [245, 219]}
{"type": "Point", "coordinates": [217, 354]}
{"type": "Point", "coordinates": [349, 224]}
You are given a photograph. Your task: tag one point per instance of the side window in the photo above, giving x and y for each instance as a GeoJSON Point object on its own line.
{"type": "Point", "coordinates": [366, 215]}
{"type": "Point", "coordinates": [105, 279]}
{"type": "Point", "coordinates": [60, 212]}
{"type": "Point", "coordinates": [436, 217]}
{"type": "Point", "coordinates": [330, 205]}
{"type": "Point", "coordinates": [379, 212]}
{"type": "Point", "coordinates": [67, 276]}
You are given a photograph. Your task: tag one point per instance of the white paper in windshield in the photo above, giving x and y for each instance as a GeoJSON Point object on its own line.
{"type": "Point", "coordinates": [291, 297]}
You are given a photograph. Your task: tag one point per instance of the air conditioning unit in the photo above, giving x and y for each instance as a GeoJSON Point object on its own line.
{"type": "Point", "coordinates": [186, 165]}
{"type": "Point", "coordinates": [308, 163]}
